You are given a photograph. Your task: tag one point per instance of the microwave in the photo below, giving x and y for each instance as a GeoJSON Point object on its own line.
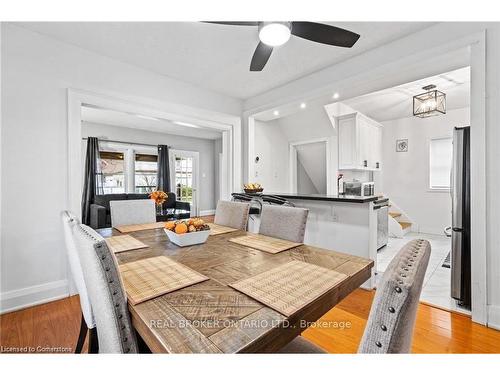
{"type": "Point", "coordinates": [361, 189]}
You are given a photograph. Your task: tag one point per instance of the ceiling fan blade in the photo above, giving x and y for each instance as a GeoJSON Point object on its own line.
{"type": "Point", "coordinates": [235, 23]}
{"type": "Point", "coordinates": [260, 57]}
{"type": "Point", "coordinates": [326, 34]}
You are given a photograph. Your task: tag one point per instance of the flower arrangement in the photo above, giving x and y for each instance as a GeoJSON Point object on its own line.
{"type": "Point", "coordinates": [159, 197]}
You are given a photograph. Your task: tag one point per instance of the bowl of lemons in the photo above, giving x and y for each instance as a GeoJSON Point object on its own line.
{"type": "Point", "coordinates": [187, 232]}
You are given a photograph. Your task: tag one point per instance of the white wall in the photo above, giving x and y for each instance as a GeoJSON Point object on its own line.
{"type": "Point", "coordinates": [304, 182]}
{"type": "Point", "coordinates": [272, 139]}
{"type": "Point", "coordinates": [405, 177]}
{"type": "Point", "coordinates": [312, 158]}
{"type": "Point", "coordinates": [271, 146]}
{"type": "Point", "coordinates": [36, 73]}
{"type": "Point", "coordinates": [205, 147]}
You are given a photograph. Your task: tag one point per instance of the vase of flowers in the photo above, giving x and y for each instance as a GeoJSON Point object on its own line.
{"type": "Point", "coordinates": [159, 197]}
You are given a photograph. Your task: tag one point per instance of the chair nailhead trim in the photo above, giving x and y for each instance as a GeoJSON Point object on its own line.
{"type": "Point", "coordinates": [378, 343]}
{"type": "Point", "coordinates": [398, 289]}
{"type": "Point", "coordinates": [383, 328]}
{"type": "Point", "coordinates": [392, 310]}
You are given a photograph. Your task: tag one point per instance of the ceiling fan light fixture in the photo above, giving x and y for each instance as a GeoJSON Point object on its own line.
{"type": "Point", "coordinates": [274, 33]}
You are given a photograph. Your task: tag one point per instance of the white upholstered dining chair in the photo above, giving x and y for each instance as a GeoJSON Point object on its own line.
{"type": "Point", "coordinates": [134, 211]}
{"type": "Point", "coordinates": [232, 214]}
{"type": "Point", "coordinates": [393, 313]}
{"type": "Point", "coordinates": [87, 324]}
{"type": "Point", "coordinates": [287, 223]}
{"type": "Point", "coordinates": [106, 293]}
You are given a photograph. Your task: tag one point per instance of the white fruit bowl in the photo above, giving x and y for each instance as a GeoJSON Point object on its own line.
{"type": "Point", "coordinates": [187, 239]}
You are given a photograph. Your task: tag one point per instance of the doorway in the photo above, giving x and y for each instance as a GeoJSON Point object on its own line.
{"type": "Point", "coordinates": [184, 171]}
{"type": "Point", "coordinates": [309, 166]}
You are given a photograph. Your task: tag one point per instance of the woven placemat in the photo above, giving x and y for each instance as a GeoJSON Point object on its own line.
{"type": "Point", "coordinates": [151, 277]}
{"type": "Point", "coordinates": [216, 229]}
{"type": "Point", "coordinates": [136, 227]}
{"type": "Point", "coordinates": [124, 243]}
{"type": "Point", "coordinates": [289, 287]}
{"type": "Point", "coordinates": [264, 243]}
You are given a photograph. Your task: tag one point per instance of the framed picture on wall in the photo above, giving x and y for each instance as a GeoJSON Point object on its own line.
{"type": "Point", "coordinates": [402, 145]}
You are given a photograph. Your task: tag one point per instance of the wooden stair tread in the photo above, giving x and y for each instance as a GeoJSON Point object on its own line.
{"type": "Point", "coordinates": [395, 214]}
{"type": "Point", "coordinates": [404, 224]}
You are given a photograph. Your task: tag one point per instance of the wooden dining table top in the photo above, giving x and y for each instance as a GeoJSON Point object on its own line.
{"type": "Point", "coordinates": [212, 317]}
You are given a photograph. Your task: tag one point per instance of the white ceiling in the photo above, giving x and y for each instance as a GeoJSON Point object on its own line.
{"type": "Point", "coordinates": [392, 103]}
{"type": "Point", "coordinates": [126, 120]}
{"type": "Point", "coordinates": [216, 57]}
{"type": "Point", "coordinates": [397, 102]}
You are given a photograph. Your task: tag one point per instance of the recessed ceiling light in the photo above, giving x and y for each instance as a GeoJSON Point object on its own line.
{"type": "Point", "coordinates": [187, 124]}
{"type": "Point", "coordinates": [303, 105]}
{"type": "Point", "coordinates": [336, 95]}
{"type": "Point", "coordinates": [147, 117]}
{"type": "Point", "coordinates": [276, 113]}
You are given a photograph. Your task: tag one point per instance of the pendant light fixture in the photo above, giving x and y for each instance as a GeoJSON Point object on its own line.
{"type": "Point", "coordinates": [430, 103]}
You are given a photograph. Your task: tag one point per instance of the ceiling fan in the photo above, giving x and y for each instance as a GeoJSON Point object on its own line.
{"type": "Point", "coordinates": [273, 34]}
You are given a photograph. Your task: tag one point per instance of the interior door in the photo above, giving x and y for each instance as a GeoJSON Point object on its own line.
{"type": "Point", "coordinates": [184, 177]}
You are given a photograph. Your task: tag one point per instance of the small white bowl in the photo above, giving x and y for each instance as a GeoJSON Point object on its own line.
{"type": "Point", "coordinates": [187, 239]}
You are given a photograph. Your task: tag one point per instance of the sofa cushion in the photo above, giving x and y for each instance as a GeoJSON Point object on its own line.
{"type": "Point", "coordinates": [170, 202]}
{"type": "Point", "coordinates": [135, 196]}
{"type": "Point", "coordinates": [103, 200]}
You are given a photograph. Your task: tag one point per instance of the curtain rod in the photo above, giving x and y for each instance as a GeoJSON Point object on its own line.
{"type": "Point", "coordinates": [122, 142]}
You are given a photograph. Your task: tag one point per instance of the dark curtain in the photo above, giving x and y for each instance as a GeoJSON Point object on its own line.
{"type": "Point", "coordinates": [92, 185]}
{"type": "Point", "coordinates": [163, 177]}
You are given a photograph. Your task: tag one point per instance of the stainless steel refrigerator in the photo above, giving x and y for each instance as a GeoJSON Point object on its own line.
{"type": "Point", "coordinates": [460, 224]}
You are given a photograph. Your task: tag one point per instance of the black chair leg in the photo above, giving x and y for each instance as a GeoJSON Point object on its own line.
{"type": "Point", "coordinates": [81, 336]}
{"type": "Point", "coordinates": [93, 342]}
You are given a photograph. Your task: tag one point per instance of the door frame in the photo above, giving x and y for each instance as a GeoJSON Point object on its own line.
{"type": "Point", "coordinates": [292, 183]}
{"type": "Point", "coordinates": [229, 125]}
{"type": "Point", "coordinates": [195, 206]}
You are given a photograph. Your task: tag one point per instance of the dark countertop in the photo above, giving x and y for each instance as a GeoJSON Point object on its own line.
{"type": "Point", "coordinates": [324, 197]}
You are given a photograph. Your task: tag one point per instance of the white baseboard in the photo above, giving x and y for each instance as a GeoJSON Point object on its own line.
{"type": "Point", "coordinates": [494, 316]}
{"type": "Point", "coordinates": [207, 212]}
{"type": "Point", "coordinates": [35, 295]}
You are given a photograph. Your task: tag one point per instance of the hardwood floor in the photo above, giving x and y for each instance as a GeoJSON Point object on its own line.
{"type": "Point", "coordinates": [56, 324]}
{"type": "Point", "coordinates": [436, 330]}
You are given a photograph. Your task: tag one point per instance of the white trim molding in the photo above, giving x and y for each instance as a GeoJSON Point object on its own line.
{"type": "Point", "coordinates": [34, 295]}
{"type": "Point", "coordinates": [229, 125]}
{"type": "Point", "coordinates": [494, 316]}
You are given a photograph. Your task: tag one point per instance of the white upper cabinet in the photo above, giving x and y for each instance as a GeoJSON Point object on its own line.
{"type": "Point", "coordinates": [360, 142]}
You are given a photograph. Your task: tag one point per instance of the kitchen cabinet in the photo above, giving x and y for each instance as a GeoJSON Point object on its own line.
{"type": "Point", "coordinates": [360, 142]}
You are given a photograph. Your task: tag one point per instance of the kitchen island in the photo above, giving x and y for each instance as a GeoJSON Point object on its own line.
{"type": "Point", "coordinates": [347, 224]}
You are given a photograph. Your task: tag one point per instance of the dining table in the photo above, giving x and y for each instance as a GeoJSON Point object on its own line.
{"type": "Point", "coordinates": [213, 317]}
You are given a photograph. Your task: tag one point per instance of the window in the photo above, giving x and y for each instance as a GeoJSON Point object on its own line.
{"type": "Point", "coordinates": [440, 159]}
{"type": "Point", "coordinates": [112, 169]}
{"type": "Point", "coordinates": [184, 178]}
{"type": "Point", "coordinates": [146, 167]}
